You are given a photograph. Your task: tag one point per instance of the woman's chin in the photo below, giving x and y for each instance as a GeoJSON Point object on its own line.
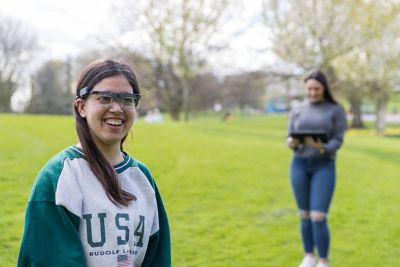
{"type": "Point", "coordinates": [315, 100]}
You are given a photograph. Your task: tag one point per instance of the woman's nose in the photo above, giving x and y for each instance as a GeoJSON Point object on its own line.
{"type": "Point", "coordinates": [115, 106]}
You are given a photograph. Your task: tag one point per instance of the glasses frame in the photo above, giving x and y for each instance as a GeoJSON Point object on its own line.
{"type": "Point", "coordinates": [115, 97]}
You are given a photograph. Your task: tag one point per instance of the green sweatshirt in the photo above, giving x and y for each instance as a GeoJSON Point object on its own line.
{"type": "Point", "coordinates": [71, 222]}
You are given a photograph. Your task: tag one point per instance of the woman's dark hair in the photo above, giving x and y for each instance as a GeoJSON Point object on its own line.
{"type": "Point", "coordinates": [90, 76]}
{"type": "Point", "coordinates": [321, 78]}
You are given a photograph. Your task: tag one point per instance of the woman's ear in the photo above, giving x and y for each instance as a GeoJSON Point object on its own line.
{"type": "Point", "coordinates": [80, 106]}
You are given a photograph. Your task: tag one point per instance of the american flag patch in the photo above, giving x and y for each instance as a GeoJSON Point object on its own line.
{"type": "Point", "coordinates": [124, 260]}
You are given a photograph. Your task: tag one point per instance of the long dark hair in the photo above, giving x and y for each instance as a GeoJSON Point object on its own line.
{"type": "Point", "coordinates": [321, 78]}
{"type": "Point", "coordinates": [90, 76]}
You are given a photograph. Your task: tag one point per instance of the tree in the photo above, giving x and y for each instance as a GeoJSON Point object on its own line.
{"type": "Point", "coordinates": [313, 34]}
{"type": "Point", "coordinates": [374, 67]}
{"type": "Point", "coordinates": [245, 90]}
{"type": "Point", "coordinates": [51, 89]}
{"type": "Point", "coordinates": [207, 91]}
{"type": "Point", "coordinates": [180, 34]}
{"type": "Point", "coordinates": [17, 44]}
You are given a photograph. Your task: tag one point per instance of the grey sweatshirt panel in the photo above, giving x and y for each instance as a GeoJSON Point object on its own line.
{"type": "Point", "coordinates": [321, 116]}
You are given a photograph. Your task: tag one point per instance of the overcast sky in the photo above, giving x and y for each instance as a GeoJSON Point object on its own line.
{"type": "Point", "coordinates": [65, 27]}
{"type": "Point", "coordinates": [61, 25]}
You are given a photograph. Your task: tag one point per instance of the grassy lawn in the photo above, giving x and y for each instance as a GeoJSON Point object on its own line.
{"type": "Point", "coordinates": [226, 189]}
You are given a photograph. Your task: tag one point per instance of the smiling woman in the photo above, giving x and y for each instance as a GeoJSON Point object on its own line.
{"type": "Point", "coordinates": [312, 171]}
{"type": "Point", "coordinates": [109, 121]}
{"type": "Point", "coordinates": [96, 205]}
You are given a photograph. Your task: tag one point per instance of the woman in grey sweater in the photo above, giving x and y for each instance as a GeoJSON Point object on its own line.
{"type": "Point", "coordinates": [312, 171]}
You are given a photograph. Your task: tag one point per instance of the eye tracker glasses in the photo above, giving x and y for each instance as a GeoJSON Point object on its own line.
{"type": "Point", "coordinates": [106, 98]}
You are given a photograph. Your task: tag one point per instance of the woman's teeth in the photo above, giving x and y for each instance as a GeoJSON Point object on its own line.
{"type": "Point", "coordinates": [114, 122]}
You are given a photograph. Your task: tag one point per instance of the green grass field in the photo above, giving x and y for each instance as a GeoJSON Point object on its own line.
{"type": "Point", "coordinates": [226, 189]}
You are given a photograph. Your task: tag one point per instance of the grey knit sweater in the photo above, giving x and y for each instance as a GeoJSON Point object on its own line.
{"type": "Point", "coordinates": [321, 116]}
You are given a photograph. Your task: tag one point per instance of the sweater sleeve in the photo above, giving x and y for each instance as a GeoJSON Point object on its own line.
{"type": "Point", "coordinates": [291, 129]}
{"type": "Point", "coordinates": [339, 127]}
{"type": "Point", "coordinates": [158, 252]}
{"type": "Point", "coordinates": [51, 237]}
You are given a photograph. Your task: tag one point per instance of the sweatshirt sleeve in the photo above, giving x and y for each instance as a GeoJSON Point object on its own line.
{"type": "Point", "coordinates": [158, 252]}
{"type": "Point", "coordinates": [51, 237]}
{"type": "Point", "coordinates": [51, 232]}
{"type": "Point", "coordinates": [339, 127]}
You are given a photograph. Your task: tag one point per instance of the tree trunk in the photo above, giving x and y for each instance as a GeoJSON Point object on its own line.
{"type": "Point", "coordinates": [175, 110]}
{"type": "Point", "coordinates": [175, 114]}
{"type": "Point", "coordinates": [355, 105]}
{"type": "Point", "coordinates": [380, 113]}
{"type": "Point", "coordinates": [169, 89]}
{"type": "Point", "coordinates": [185, 99]}
{"type": "Point", "coordinates": [6, 91]}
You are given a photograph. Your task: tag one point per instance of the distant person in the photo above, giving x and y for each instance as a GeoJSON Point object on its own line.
{"type": "Point", "coordinates": [153, 116]}
{"type": "Point", "coordinates": [158, 117]}
{"type": "Point", "coordinates": [217, 107]}
{"type": "Point", "coordinates": [93, 204]}
{"type": "Point", "coordinates": [312, 169]}
{"type": "Point", "coordinates": [227, 116]}
{"type": "Point", "coordinates": [149, 116]}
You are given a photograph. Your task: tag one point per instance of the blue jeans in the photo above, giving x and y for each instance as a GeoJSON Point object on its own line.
{"type": "Point", "coordinates": [313, 184]}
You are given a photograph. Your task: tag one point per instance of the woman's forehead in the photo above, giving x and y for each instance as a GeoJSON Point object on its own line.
{"type": "Point", "coordinates": [114, 83]}
{"type": "Point", "coordinates": [313, 83]}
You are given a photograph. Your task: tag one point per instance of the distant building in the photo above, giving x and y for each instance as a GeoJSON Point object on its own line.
{"type": "Point", "coordinates": [283, 95]}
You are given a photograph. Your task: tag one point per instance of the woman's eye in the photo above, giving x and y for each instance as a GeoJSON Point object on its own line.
{"type": "Point", "coordinates": [128, 101]}
{"type": "Point", "coordinates": [104, 99]}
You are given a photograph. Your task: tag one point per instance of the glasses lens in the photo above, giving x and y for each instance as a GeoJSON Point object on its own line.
{"type": "Point", "coordinates": [104, 99]}
{"type": "Point", "coordinates": [128, 102]}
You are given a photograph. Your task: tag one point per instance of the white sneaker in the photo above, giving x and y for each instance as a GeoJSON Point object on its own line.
{"type": "Point", "coordinates": [320, 264]}
{"type": "Point", "coordinates": [307, 261]}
